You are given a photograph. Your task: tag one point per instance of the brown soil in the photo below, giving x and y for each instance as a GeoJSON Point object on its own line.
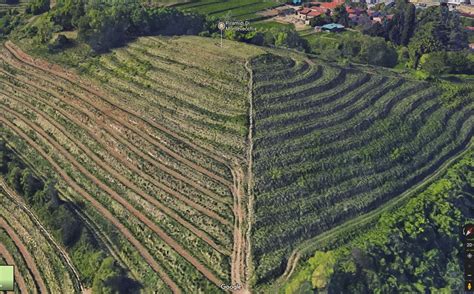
{"type": "Point", "coordinates": [101, 209]}
{"type": "Point", "coordinates": [167, 239]}
{"type": "Point", "coordinates": [30, 262]}
{"type": "Point", "coordinates": [118, 176]}
{"type": "Point", "coordinates": [114, 111]}
{"type": "Point", "coordinates": [10, 261]}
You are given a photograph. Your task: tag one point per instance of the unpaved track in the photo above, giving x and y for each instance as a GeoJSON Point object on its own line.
{"type": "Point", "coordinates": [144, 219]}
{"type": "Point", "coordinates": [119, 177]}
{"type": "Point", "coordinates": [241, 256]}
{"type": "Point", "coordinates": [30, 262]}
{"type": "Point", "coordinates": [11, 261]}
{"type": "Point", "coordinates": [132, 120]}
{"type": "Point", "coordinates": [249, 177]}
{"type": "Point", "coordinates": [114, 111]}
{"type": "Point", "coordinates": [101, 209]}
{"type": "Point", "coordinates": [18, 200]}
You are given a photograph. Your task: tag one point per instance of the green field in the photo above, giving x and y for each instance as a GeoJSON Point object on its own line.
{"type": "Point", "coordinates": [333, 143]}
{"type": "Point", "coordinates": [234, 9]}
{"type": "Point", "coordinates": [193, 165]}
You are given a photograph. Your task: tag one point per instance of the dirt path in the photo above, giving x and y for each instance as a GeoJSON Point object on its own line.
{"type": "Point", "coordinates": [114, 111]}
{"type": "Point", "coordinates": [101, 209]}
{"type": "Point", "coordinates": [144, 219]}
{"type": "Point", "coordinates": [249, 178]}
{"type": "Point", "coordinates": [30, 262]}
{"type": "Point", "coordinates": [238, 252]}
{"type": "Point", "coordinates": [18, 200]}
{"type": "Point", "coordinates": [117, 176]}
{"type": "Point", "coordinates": [241, 255]}
{"type": "Point", "coordinates": [11, 261]}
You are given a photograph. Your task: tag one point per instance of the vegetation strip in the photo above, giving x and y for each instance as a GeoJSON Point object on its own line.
{"type": "Point", "coordinates": [127, 183]}
{"type": "Point", "coordinates": [105, 212]}
{"type": "Point", "coordinates": [164, 236]}
{"type": "Point", "coordinates": [26, 255]}
{"type": "Point", "coordinates": [11, 261]}
{"type": "Point", "coordinates": [17, 199]}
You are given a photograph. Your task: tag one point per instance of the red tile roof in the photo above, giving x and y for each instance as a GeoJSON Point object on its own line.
{"type": "Point", "coordinates": [315, 13]}
{"type": "Point", "coordinates": [305, 11]}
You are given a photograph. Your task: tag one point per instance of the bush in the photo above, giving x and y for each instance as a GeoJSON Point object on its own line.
{"type": "Point", "coordinates": [38, 6]}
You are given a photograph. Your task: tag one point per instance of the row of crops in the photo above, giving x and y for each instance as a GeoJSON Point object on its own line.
{"type": "Point", "coordinates": [332, 143]}
{"type": "Point", "coordinates": [38, 265]}
{"type": "Point", "coordinates": [241, 9]}
{"type": "Point", "coordinates": [147, 156]}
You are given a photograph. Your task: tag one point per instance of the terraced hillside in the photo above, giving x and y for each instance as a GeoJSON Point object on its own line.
{"type": "Point", "coordinates": [40, 265]}
{"type": "Point", "coordinates": [155, 158]}
{"type": "Point", "coordinates": [241, 9]}
{"type": "Point", "coordinates": [333, 143]}
{"type": "Point", "coordinates": [20, 6]}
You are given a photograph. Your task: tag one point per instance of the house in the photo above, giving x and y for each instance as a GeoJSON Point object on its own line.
{"type": "Point", "coordinates": [332, 27]}
{"type": "Point", "coordinates": [303, 13]}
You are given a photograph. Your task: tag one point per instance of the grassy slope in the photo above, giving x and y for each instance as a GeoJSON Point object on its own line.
{"type": "Point", "coordinates": [442, 188]}
{"type": "Point", "coordinates": [332, 145]}
{"type": "Point", "coordinates": [185, 96]}
{"type": "Point", "coordinates": [235, 9]}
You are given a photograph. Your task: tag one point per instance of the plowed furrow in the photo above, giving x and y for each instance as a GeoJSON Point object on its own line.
{"type": "Point", "coordinates": [125, 181]}
{"type": "Point", "coordinates": [30, 262]}
{"type": "Point", "coordinates": [164, 236]}
{"type": "Point", "coordinates": [118, 112]}
{"type": "Point", "coordinates": [99, 121]}
{"type": "Point", "coordinates": [11, 261]}
{"type": "Point", "coordinates": [127, 234]}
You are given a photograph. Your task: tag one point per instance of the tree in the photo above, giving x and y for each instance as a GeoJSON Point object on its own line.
{"type": "Point", "coordinates": [28, 183]}
{"type": "Point", "coordinates": [341, 16]}
{"type": "Point", "coordinates": [14, 177]}
{"type": "Point", "coordinates": [111, 278]}
{"type": "Point", "coordinates": [434, 63]}
{"type": "Point", "coordinates": [38, 6]}
{"type": "Point", "coordinates": [376, 51]}
{"type": "Point", "coordinates": [408, 27]}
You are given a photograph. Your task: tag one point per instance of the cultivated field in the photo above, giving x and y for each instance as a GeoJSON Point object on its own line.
{"type": "Point", "coordinates": [333, 143]}
{"type": "Point", "coordinates": [196, 166]}
{"type": "Point", "coordinates": [40, 266]}
{"type": "Point", "coordinates": [159, 152]}
{"type": "Point", "coordinates": [21, 5]}
{"type": "Point", "coordinates": [235, 9]}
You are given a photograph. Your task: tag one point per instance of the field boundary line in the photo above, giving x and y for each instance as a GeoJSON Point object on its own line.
{"type": "Point", "coordinates": [30, 261]}
{"type": "Point", "coordinates": [101, 209]}
{"type": "Point", "coordinates": [199, 233]}
{"type": "Point", "coordinates": [367, 218]}
{"type": "Point", "coordinates": [19, 202]}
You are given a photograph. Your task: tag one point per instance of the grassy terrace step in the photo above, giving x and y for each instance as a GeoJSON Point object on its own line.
{"type": "Point", "coordinates": [338, 146]}
{"type": "Point", "coordinates": [296, 114]}
{"type": "Point", "coordinates": [177, 267]}
{"type": "Point", "coordinates": [383, 172]}
{"type": "Point", "coordinates": [132, 259]}
{"type": "Point", "coordinates": [162, 165]}
{"type": "Point", "coordinates": [300, 111]}
{"type": "Point", "coordinates": [357, 120]}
